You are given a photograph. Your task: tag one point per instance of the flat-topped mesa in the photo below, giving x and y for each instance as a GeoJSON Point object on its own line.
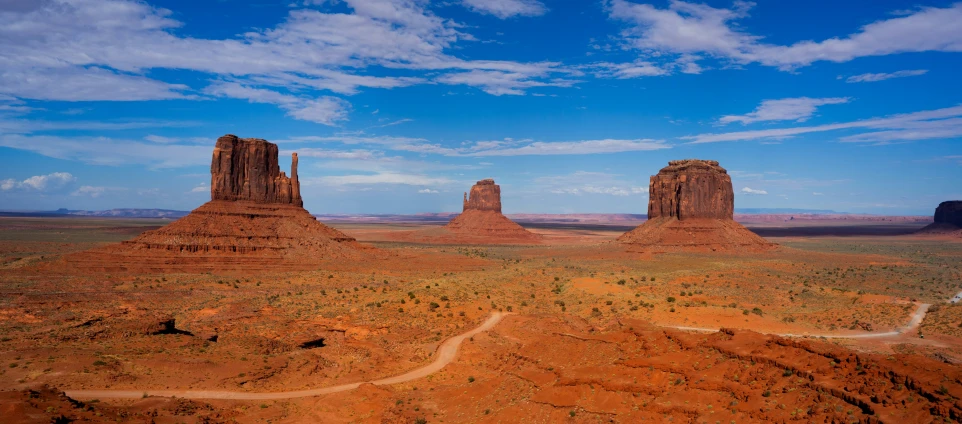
{"type": "Point", "coordinates": [485, 196]}
{"type": "Point", "coordinates": [247, 169]}
{"type": "Point", "coordinates": [949, 212]}
{"type": "Point", "coordinates": [691, 188]}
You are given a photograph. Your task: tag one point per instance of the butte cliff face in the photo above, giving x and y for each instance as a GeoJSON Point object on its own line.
{"type": "Point", "coordinates": [484, 196]}
{"type": "Point", "coordinates": [255, 220]}
{"type": "Point", "coordinates": [691, 207]}
{"type": "Point", "coordinates": [947, 220]}
{"type": "Point", "coordinates": [481, 220]}
{"type": "Point", "coordinates": [949, 213]}
{"type": "Point", "coordinates": [247, 169]}
{"type": "Point", "coordinates": [691, 188]}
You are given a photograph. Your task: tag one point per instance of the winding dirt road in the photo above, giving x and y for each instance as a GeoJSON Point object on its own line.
{"type": "Point", "coordinates": [444, 356]}
{"type": "Point", "coordinates": [913, 324]}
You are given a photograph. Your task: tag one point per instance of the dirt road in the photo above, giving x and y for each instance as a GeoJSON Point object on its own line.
{"type": "Point", "coordinates": [444, 356]}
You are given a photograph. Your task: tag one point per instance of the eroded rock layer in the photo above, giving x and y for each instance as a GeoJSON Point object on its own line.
{"type": "Point", "coordinates": [482, 221]}
{"type": "Point", "coordinates": [254, 221]}
{"type": "Point", "coordinates": [691, 208]}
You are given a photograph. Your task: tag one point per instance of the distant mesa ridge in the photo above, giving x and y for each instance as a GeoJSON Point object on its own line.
{"type": "Point", "coordinates": [691, 206]}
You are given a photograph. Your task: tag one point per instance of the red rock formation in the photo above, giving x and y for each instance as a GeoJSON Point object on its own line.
{"type": "Point", "coordinates": [691, 188]}
{"type": "Point", "coordinates": [255, 219]}
{"type": "Point", "coordinates": [482, 221]}
{"type": "Point", "coordinates": [247, 169]}
{"type": "Point", "coordinates": [691, 207]}
{"type": "Point", "coordinates": [485, 196]}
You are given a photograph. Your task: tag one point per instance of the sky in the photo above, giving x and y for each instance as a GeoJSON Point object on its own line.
{"type": "Point", "coordinates": [399, 106]}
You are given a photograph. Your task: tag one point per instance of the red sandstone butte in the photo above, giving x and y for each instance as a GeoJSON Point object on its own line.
{"type": "Point", "coordinates": [254, 220]}
{"type": "Point", "coordinates": [247, 169]}
{"type": "Point", "coordinates": [691, 206]}
{"type": "Point", "coordinates": [481, 219]}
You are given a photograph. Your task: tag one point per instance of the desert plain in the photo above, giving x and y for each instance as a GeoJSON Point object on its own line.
{"type": "Point", "coordinates": [590, 332]}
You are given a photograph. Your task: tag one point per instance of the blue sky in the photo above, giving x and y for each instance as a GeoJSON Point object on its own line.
{"type": "Point", "coordinates": [398, 106]}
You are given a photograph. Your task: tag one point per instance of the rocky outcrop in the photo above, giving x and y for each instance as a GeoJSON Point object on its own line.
{"type": "Point", "coordinates": [485, 196]}
{"type": "Point", "coordinates": [949, 212]}
{"type": "Point", "coordinates": [255, 220]}
{"type": "Point", "coordinates": [247, 169]}
{"type": "Point", "coordinates": [691, 188]}
{"type": "Point", "coordinates": [482, 222]}
{"type": "Point", "coordinates": [691, 207]}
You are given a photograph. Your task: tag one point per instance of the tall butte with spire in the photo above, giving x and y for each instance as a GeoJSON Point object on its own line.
{"type": "Point", "coordinates": [691, 207]}
{"type": "Point", "coordinates": [481, 219]}
{"type": "Point", "coordinates": [255, 219]}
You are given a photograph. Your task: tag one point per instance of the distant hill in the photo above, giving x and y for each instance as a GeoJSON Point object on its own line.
{"type": "Point", "coordinates": [783, 211]}
{"type": "Point", "coordinates": [111, 213]}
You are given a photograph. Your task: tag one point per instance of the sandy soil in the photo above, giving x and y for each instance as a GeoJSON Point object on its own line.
{"type": "Point", "coordinates": [586, 335]}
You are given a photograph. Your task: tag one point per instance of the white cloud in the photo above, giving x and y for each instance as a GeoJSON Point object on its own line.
{"type": "Point", "coordinates": [380, 178]}
{"type": "Point", "coordinates": [689, 28]}
{"type": "Point", "coordinates": [585, 182]}
{"type": "Point", "coordinates": [95, 191]}
{"type": "Point", "coordinates": [110, 151]}
{"type": "Point", "coordinates": [794, 109]}
{"type": "Point", "coordinates": [885, 76]}
{"type": "Point", "coordinates": [939, 123]}
{"type": "Point", "coordinates": [638, 68]}
{"type": "Point", "coordinates": [506, 147]}
{"type": "Point", "coordinates": [201, 188]}
{"type": "Point", "coordinates": [817, 194]}
{"type": "Point", "coordinates": [574, 148]}
{"type": "Point", "coordinates": [428, 191]}
{"type": "Point", "coordinates": [507, 8]}
{"type": "Point", "coordinates": [325, 110]}
{"type": "Point", "coordinates": [39, 183]}
{"type": "Point", "coordinates": [747, 190]}
{"type": "Point", "coordinates": [335, 154]}
{"type": "Point", "coordinates": [498, 82]}
{"type": "Point", "coordinates": [84, 50]}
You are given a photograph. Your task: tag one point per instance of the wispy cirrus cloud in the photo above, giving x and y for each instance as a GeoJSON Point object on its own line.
{"type": "Point", "coordinates": [885, 76]}
{"type": "Point", "coordinates": [485, 148]}
{"type": "Point", "coordinates": [686, 28]}
{"type": "Point", "coordinates": [794, 109]}
{"type": "Point", "coordinates": [506, 8]}
{"type": "Point", "coordinates": [751, 191]}
{"type": "Point", "coordinates": [588, 183]}
{"type": "Point", "coordinates": [922, 125]}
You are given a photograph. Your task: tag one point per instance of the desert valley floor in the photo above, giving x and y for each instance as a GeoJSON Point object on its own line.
{"type": "Point", "coordinates": [842, 322]}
